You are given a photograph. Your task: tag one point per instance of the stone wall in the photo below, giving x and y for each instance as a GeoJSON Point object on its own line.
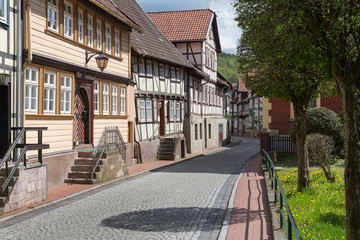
{"type": "Point", "coordinates": [113, 167]}
{"type": "Point", "coordinates": [148, 150]}
{"type": "Point", "coordinates": [30, 187]}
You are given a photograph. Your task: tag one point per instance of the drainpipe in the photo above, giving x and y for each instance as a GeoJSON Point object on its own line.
{"type": "Point", "coordinates": [19, 78]}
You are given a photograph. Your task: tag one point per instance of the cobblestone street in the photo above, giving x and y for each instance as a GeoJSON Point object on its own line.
{"type": "Point", "coordinates": [183, 201]}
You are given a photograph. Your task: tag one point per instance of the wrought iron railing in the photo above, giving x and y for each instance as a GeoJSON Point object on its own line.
{"type": "Point", "coordinates": [20, 142]}
{"type": "Point", "coordinates": [110, 140]}
{"type": "Point", "coordinates": [290, 224]}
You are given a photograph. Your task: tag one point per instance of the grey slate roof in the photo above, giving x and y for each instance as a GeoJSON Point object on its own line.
{"type": "Point", "coordinates": [151, 42]}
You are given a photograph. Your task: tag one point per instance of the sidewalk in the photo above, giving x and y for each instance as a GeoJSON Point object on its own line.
{"type": "Point", "coordinates": [251, 216]}
{"type": "Point", "coordinates": [66, 190]}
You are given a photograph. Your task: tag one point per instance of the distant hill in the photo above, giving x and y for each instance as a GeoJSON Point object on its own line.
{"type": "Point", "coordinates": [227, 66]}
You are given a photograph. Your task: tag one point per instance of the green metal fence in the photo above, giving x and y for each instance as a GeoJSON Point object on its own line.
{"type": "Point", "coordinates": [288, 222]}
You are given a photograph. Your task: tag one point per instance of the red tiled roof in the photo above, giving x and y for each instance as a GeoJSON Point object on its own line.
{"type": "Point", "coordinates": [242, 85]}
{"type": "Point", "coordinates": [183, 25]}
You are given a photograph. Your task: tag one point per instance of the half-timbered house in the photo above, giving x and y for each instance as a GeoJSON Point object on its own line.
{"type": "Point", "coordinates": [160, 72]}
{"type": "Point", "coordinates": [195, 34]}
{"type": "Point", "coordinates": [65, 89]}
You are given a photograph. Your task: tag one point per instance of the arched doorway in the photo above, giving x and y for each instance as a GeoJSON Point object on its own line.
{"type": "Point", "coordinates": [81, 128]}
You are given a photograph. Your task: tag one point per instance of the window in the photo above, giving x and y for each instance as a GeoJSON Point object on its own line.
{"type": "Point", "coordinates": [171, 112]}
{"type": "Point", "coordinates": [194, 92]}
{"type": "Point", "coordinates": [31, 90]}
{"type": "Point", "coordinates": [66, 88]}
{"type": "Point", "coordinates": [98, 34]}
{"type": "Point", "coordinates": [49, 92]}
{"type": "Point", "coordinates": [117, 43]}
{"type": "Point", "coordinates": [52, 15]}
{"type": "Point", "coordinates": [207, 57]}
{"type": "Point", "coordinates": [68, 20]}
{"type": "Point", "coordinates": [196, 131]}
{"type": "Point", "coordinates": [178, 77]}
{"type": "Point", "coordinates": [205, 95]}
{"type": "Point", "coordinates": [141, 67]}
{"type": "Point", "coordinates": [80, 26]}
{"type": "Point", "coordinates": [90, 32]}
{"type": "Point", "coordinates": [178, 115]}
{"type": "Point", "coordinates": [114, 95]}
{"type": "Point", "coordinates": [200, 131]}
{"type": "Point", "coordinates": [199, 96]}
{"type": "Point", "coordinates": [4, 11]}
{"type": "Point", "coordinates": [161, 71]}
{"type": "Point", "coordinates": [96, 97]}
{"type": "Point", "coordinates": [148, 68]}
{"type": "Point", "coordinates": [122, 100]}
{"type": "Point", "coordinates": [213, 60]}
{"type": "Point", "coordinates": [105, 98]}
{"type": "Point", "coordinates": [172, 73]}
{"type": "Point", "coordinates": [142, 110]}
{"type": "Point", "coordinates": [148, 111]}
{"type": "Point", "coordinates": [108, 38]}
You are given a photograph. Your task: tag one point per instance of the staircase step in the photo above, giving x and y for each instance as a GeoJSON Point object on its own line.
{"type": "Point", "coordinates": [167, 140]}
{"type": "Point", "coordinates": [85, 175]}
{"type": "Point", "coordinates": [88, 155]}
{"type": "Point", "coordinates": [86, 161]}
{"type": "Point", "coordinates": [166, 157]}
{"type": "Point", "coordinates": [167, 145]}
{"type": "Point", "coordinates": [165, 151]}
{"type": "Point", "coordinates": [79, 181]}
{"type": "Point", "coordinates": [84, 168]}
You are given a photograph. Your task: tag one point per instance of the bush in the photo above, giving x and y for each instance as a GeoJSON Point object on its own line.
{"type": "Point", "coordinates": [319, 148]}
{"type": "Point", "coordinates": [324, 121]}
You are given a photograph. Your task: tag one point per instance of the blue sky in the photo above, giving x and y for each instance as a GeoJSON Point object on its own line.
{"type": "Point", "coordinates": [228, 30]}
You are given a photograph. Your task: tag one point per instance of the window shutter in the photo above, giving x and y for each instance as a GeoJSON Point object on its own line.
{"type": "Point", "coordinates": [138, 120]}
{"type": "Point", "coordinates": [182, 111]}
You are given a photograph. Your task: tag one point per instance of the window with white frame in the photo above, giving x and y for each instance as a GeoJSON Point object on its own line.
{"type": "Point", "coordinates": [96, 97]}
{"type": "Point", "coordinates": [142, 110]}
{"type": "Point", "coordinates": [49, 92]}
{"type": "Point", "coordinates": [68, 20]}
{"type": "Point", "coordinates": [117, 43]}
{"type": "Point", "coordinates": [172, 73]}
{"type": "Point", "coordinates": [66, 91]}
{"type": "Point", "coordinates": [213, 60]}
{"type": "Point", "coordinates": [122, 100]}
{"type": "Point", "coordinates": [206, 95]}
{"type": "Point", "coordinates": [114, 95]}
{"type": "Point", "coordinates": [148, 68]}
{"type": "Point", "coordinates": [98, 34]}
{"type": "Point", "coordinates": [4, 11]}
{"type": "Point", "coordinates": [199, 93]}
{"type": "Point", "coordinates": [171, 112]}
{"type": "Point", "coordinates": [149, 110]}
{"type": "Point", "coordinates": [178, 111]}
{"type": "Point", "coordinates": [90, 31]}
{"type": "Point", "coordinates": [52, 14]}
{"type": "Point", "coordinates": [141, 67]}
{"type": "Point", "coordinates": [155, 110]}
{"type": "Point", "coordinates": [105, 98]}
{"type": "Point", "coordinates": [108, 38]}
{"type": "Point", "coordinates": [31, 90]}
{"type": "Point", "coordinates": [80, 26]}
{"type": "Point", "coordinates": [178, 76]}
{"type": "Point", "coordinates": [161, 71]}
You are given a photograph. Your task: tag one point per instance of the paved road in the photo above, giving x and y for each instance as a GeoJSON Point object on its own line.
{"type": "Point", "coordinates": [184, 201]}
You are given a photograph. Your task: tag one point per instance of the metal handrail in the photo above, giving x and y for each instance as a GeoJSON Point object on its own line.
{"type": "Point", "coordinates": [7, 157]}
{"type": "Point", "coordinates": [110, 139]}
{"type": "Point", "coordinates": [280, 197]}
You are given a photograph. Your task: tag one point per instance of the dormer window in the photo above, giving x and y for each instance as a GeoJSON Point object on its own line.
{"type": "Point", "coordinates": [68, 20]}
{"type": "Point", "coordinates": [53, 15]}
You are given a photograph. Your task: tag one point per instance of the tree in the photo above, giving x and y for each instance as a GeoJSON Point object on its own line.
{"type": "Point", "coordinates": [334, 27]}
{"type": "Point", "coordinates": [279, 64]}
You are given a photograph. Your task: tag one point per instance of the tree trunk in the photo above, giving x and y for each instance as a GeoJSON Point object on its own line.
{"type": "Point", "coordinates": [302, 159]}
{"type": "Point", "coordinates": [351, 106]}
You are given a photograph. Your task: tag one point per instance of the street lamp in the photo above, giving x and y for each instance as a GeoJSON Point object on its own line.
{"type": "Point", "coordinates": [5, 78]}
{"type": "Point", "coordinates": [101, 60]}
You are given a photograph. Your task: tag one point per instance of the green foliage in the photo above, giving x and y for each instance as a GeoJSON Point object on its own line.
{"type": "Point", "coordinates": [316, 216]}
{"type": "Point", "coordinates": [324, 121]}
{"type": "Point", "coordinates": [228, 66]}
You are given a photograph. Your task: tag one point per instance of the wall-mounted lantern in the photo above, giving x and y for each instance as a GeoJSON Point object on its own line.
{"type": "Point", "coordinates": [101, 60]}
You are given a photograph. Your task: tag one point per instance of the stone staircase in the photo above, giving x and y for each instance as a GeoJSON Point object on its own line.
{"type": "Point", "coordinates": [82, 169]}
{"type": "Point", "coordinates": [166, 149]}
{"type": "Point", "coordinates": [4, 195]}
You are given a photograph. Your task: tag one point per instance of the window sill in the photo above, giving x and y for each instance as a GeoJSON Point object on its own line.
{"type": "Point", "coordinates": [111, 116]}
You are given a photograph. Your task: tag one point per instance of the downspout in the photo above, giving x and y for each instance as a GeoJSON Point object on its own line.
{"type": "Point", "coordinates": [19, 77]}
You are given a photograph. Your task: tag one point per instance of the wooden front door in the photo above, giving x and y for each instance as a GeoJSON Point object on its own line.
{"type": "Point", "coordinates": [162, 118]}
{"type": "Point", "coordinates": [81, 128]}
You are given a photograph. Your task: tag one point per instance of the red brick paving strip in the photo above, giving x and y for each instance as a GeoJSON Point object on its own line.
{"type": "Point", "coordinates": [251, 218]}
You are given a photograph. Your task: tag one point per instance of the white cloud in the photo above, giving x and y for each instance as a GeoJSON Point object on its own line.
{"type": "Point", "coordinates": [228, 30]}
